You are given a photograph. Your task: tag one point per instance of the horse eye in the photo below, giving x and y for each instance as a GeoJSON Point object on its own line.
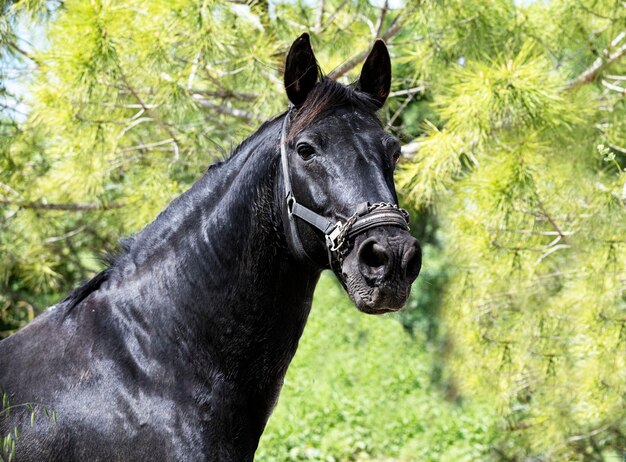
{"type": "Point", "coordinates": [305, 151]}
{"type": "Point", "coordinates": [392, 144]}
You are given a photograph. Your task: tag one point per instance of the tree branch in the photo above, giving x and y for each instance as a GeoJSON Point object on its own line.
{"type": "Point", "coordinates": [226, 110]}
{"type": "Point", "coordinates": [409, 91]}
{"type": "Point", "coordinates": [381, 18]}
{"type": "Point", "coordinates": [320, 15]}
{"type": "Point", "coordinates": [551, 220]}
{"type": "Point", "coordinates": [600, 64]}
{"type": "Point", "coordinates": [617, 148]}
{"type": "Point", "coordinates": [410, 149]}
{"type": "Point", "coordinates": [393, 30]}
{"type": "Point", "coordinates": [225, 94]}
{"type": "Point", "coordinates": [21, 51]}
{"type": "Point", "coordinates": [69, 207]}
{"type": "Point", "coordinates": [331, 17]}
{"type": "Point", "coordinates": [613, 87]}
{"type": "Point", "coordinates": [150, 113]}
{"type": "Point", "coordinates": [64, 236]}
{"type": "Point", "coordinates": [402, 107]}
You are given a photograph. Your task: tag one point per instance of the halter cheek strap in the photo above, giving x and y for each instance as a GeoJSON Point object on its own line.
{"type": "Point", "coordinates": [339, 235]}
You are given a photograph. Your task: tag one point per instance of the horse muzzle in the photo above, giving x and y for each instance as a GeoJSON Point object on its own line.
{"type": "Point", "coordinates": [380, 269]}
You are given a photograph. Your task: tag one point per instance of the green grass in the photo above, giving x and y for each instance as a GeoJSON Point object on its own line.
{"type": "Point", "coordinates": [361, 388]}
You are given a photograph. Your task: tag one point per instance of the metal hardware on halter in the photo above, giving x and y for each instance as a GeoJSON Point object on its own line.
{"type": "Point", "coordinates": [331, 239]}
{"type": "Point", "coordinates": [290, 201]}
{"type": "Point", "coordinates": [337, 235]}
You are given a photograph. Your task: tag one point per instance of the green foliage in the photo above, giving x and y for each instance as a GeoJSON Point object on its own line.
{"type": "Point", "coordinates": [360, 389]}
{"type": "Point", "coordinates": [513, 117]}
{"type": "Point", "coordinates": [530, 198]}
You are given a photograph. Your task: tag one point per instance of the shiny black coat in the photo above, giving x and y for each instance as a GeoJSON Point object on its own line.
{"type": "Point", "coordinates": [178, 350]}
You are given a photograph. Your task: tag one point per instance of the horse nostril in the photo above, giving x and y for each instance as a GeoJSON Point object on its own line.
{"type": "Point", "coordinates": [412, 262]}
{"type": "Point", "coordinates": [373, 260]}
{"type": "Point", "coordinates": [373, 254]}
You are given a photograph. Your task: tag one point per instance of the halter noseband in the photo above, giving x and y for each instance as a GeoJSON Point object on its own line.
{"type": "Point", "coordinates": [337, 235]}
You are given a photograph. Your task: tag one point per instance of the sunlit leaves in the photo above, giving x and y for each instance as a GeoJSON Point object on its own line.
{"type": "Point", "coordinates": [534, 225]}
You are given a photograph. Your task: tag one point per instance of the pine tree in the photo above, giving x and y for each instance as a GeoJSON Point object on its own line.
{"type": "Point", "coordinates": [523, 161]}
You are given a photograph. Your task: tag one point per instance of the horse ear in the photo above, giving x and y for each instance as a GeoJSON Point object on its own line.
{"type": "Point", "coordinates": [375, 78]}
{"type": "Point", "coordinates": [301, 70]}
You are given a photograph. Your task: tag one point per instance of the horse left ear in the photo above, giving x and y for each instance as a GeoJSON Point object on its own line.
{"type": "Point", "coordinates": [375, 79]}
{"type": "Point", "coordinates": [301, 70]}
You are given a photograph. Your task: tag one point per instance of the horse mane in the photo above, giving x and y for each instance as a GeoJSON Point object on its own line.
{"type": "Point", "coordinates": [327, 94]}
{"type": "Point", "coordinates": [112, 258]}
{"type": "Point", "coordinates": [85, 289]}
{"type": "Point", "coordinates": [91, 285]}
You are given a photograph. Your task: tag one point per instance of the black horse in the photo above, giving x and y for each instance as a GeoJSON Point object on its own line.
{"type": "Point", "coordinates": [178, 350]}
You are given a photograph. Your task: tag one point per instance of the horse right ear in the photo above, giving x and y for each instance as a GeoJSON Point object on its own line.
{"type": "Point", "coordinates": [301, 70]}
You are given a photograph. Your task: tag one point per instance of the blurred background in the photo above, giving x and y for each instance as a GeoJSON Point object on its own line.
{"type": "Point", "coordinates": [512, 117]}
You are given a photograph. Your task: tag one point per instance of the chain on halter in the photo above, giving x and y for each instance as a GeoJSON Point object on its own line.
{"type": "Point", "coordinates": [339, 235]}
{"type": "Point", "coordinates": [337, 240]}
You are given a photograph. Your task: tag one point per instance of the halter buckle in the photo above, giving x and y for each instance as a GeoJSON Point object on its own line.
{"type": "Point", "coordinates": [290, 201]}
{"type": "Point", "coordinates": [331, 238]}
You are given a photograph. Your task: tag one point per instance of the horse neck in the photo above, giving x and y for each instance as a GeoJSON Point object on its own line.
{"type": "Point", "coordinates": [215, 272]}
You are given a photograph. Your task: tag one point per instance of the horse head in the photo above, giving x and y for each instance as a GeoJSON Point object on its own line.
{"type": "Point", "coordinates": [340, 204]}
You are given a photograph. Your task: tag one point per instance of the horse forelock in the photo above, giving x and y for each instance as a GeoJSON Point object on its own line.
{"type": "Point", "coordinates": [326, 95]}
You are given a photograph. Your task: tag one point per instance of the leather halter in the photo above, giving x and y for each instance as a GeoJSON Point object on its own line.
{"type": "Point", "coordinates": [339, 235]}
